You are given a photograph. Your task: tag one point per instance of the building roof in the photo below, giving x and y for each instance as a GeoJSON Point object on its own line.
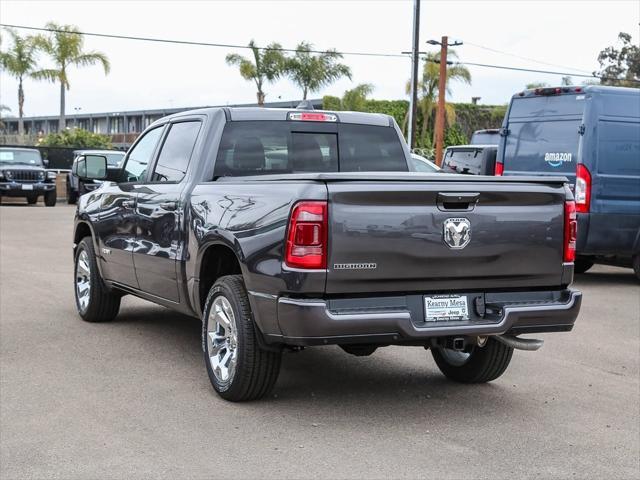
{"type": "Point", "coordinates": [317, 103]}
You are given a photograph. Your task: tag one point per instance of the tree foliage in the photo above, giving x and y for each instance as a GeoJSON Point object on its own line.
{"type": "Point", "coordinates": [313, 71]}
{"type": "Point", "coordinates": [356, 98]}
{"type": "Point", "coordinates": [20, 61]}
{"type": "Point", "coordinates": [64, 45]}
{"type": "Point", "coordinates": [77, 138]}
{"type": "Point", "coordinates": [428, 93]}
{"type": "Point", "coordinates": [396, 108]}
{"type": "Point", "coordinates": [267, 66]}
{"type": "Point", "coordinates": [532, 85]}
{"type": "Point", "coordinates": [620, 66]}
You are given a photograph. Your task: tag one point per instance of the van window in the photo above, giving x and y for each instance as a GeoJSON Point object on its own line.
{"type": "Point", "coordinates": [549, 146]}
{"type": "Point", "coordinates": [619, 148]}
{"type": "Point", "coordinates": [547, 106]}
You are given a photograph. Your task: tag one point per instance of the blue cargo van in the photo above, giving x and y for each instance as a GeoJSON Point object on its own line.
{"type": "Point", "coordinates": [591, 135]}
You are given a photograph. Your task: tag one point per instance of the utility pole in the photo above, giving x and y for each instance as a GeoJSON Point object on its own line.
{"type": "Point", "coordinates": [413, 102]}
{"type": "Point", "coordinates": [442, 87]}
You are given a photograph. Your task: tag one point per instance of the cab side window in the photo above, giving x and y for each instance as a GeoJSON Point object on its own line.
{"type": "Point", "coordinates": [175, 155]}
{"type": "Point", "coordinates": [140, 156]}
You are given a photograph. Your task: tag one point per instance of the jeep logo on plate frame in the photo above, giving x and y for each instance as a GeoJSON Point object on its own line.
{"type": "Point", "coordinates": [456, 233]}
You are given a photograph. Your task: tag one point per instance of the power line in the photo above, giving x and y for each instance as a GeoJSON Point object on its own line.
{"type": "Point", "coordinates": [292, 50]}
{"type": "Point", "coordinates": [502, 52]}
{"type": "Point", "coordinates": [189, 42]}
{"type": "Point", "coordinates": [518, 69]}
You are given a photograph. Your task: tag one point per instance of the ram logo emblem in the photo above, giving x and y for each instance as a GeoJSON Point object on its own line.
{"type": "Point", "coordinates": [457, 233]}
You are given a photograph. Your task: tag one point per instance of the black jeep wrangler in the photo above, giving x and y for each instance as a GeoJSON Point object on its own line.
{"type": "Point", "coordinates": [23, 174]}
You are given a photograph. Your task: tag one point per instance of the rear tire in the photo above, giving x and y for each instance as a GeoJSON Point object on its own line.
{"type": "Point", "coordinates": [50, 198]}
{"type": "Point", "coordinates": [32, 199]}
{"type": "Point", "coordinates": [72, 196]}
{"type": "Point", "coordinates": [238, 368]}
{"type": "Point", "coordinates": [95, 303]}
{"type": "Point", "coordinates": [481, 364]}
{"type": "Point", "coordinates": [636, 265]}
{"type": "Point", "coordinates": [582, 265]}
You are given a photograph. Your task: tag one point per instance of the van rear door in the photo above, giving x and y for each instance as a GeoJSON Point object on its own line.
{"type": "Point", "coordinates": [543, 135]}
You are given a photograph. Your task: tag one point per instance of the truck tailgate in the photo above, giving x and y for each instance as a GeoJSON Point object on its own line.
{"type": "Point", "coordinates": [388, 236]}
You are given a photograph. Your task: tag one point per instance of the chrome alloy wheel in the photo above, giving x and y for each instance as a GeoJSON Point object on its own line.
{"type": "Point", "coordinates": [455, 358]}
{"type": "Point", "coordinates": [83, 280]}
{"type": "Point", "coordinates": [223, 339]}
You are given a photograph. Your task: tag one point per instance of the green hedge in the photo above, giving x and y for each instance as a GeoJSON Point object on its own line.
{"type": "Point", "coordinates": [77, 138]}
{"type": "Point", "coordinates": [469, 118]}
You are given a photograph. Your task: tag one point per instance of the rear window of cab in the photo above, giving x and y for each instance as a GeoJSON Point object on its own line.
{"type": "Point", "coordinates": [269, 147]}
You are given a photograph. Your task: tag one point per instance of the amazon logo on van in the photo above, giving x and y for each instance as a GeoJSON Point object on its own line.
{"type": "Point", "coordinates": [555, 159]}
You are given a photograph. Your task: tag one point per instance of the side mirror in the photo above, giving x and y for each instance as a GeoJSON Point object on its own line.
{"type": "Point", "coordinates": [45, 162]}
{"type": "Point", "coordinates": [92, 167]}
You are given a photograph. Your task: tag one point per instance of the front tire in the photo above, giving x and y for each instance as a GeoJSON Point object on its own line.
{"type": "Point", "coordinates": [479, 365]}
{"type": "Point", "coordinates": [32, 199]}
{"type": "Point", "coordinates": [95, 303]}
{"type": "Point", "coordinates": [72, 195]}
{"type": "Point", "coordinates": [238, 368]}
{"type": "Point", "coordinates": [636, 265]}
{"type": "Point", "coordinates": [50, 198]}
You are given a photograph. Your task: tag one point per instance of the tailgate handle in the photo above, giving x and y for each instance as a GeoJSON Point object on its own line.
{"type": "Point", "coordinates": [457, 200]}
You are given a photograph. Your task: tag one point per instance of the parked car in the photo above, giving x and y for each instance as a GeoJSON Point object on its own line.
{"type": "Point", "coordinates": [470, 159]}
{"type": "Point", "coordinates": [421, 164]}
{"type": "Point", "coordinates": [76, 187]}
{"type": "Point", "coordinates": [592, 135]}
{"type": "Point", "coordinates": [23, 174]}
{"type": "Point", "coordinates": [489, 136]}
{"type": "Point", "coordinates": [338, 242]}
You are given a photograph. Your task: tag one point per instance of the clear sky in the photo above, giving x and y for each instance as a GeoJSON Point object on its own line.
{"type": "Point", "coordinates": [144, 75]}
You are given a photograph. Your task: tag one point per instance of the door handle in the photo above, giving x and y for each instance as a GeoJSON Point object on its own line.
{"type": "Point", "coordinates": [457, 201]}
{"type": "Point", "coordinates": [169, 205]}
{"type": "Point", "coordinates": [129, 204]}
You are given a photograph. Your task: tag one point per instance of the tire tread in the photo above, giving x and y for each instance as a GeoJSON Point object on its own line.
{"type": "Point", "coordinates": [104, 305]}
{"type": "Point", "coordinates": [485, 364]}
{"type": "Point", "coordinates": [261, 366]}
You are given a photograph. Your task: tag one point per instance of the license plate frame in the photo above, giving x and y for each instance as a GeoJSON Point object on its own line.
{"type": "Point", "coordinates": [446, 308]}
{"type": "Point", "coordinates": [27, 186]}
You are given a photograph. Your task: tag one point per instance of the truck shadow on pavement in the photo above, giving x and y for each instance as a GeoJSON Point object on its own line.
{"type": "Point", "coordinates": [324, 377]}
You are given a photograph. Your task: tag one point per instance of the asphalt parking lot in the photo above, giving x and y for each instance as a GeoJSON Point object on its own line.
{"type": "Point", "coordinates": [131, 399]}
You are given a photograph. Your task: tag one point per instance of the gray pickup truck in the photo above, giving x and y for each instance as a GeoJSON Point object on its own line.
{"type": "Point", "coordinates": [283, 229]}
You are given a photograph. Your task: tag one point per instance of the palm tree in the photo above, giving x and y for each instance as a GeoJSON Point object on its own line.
{"type": "Point", "coordinates": [428, 87]}
{"type": "Point", "coordinates": [312, 72]}
{"type": "Point", "coordinates": [267, 66]}
{"type": "Point", "coordinates": [64, 46]}
{"type": "Point", "coordinates": [3, 108]}
{"type": "Point", "coordinates": [20, 62]}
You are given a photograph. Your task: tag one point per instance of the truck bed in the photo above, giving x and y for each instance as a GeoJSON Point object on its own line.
{"type": "Point", "coordinates": [395, 177]}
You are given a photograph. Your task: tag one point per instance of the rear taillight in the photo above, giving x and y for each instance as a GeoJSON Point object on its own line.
{"type": "Point", "coordinates": [499, 169]}
{"type": "Point", "coordinates": [582, 192]}
{"type": "Point", "coordinates": [307, 236]}
{"type": "Point", "coordinates": [570, 231]}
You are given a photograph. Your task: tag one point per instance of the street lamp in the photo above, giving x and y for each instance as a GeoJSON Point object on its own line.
{"type": "Point", "coordinates": [75, 117]}
{"type": "Point", "coordinates": [442, 86]}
